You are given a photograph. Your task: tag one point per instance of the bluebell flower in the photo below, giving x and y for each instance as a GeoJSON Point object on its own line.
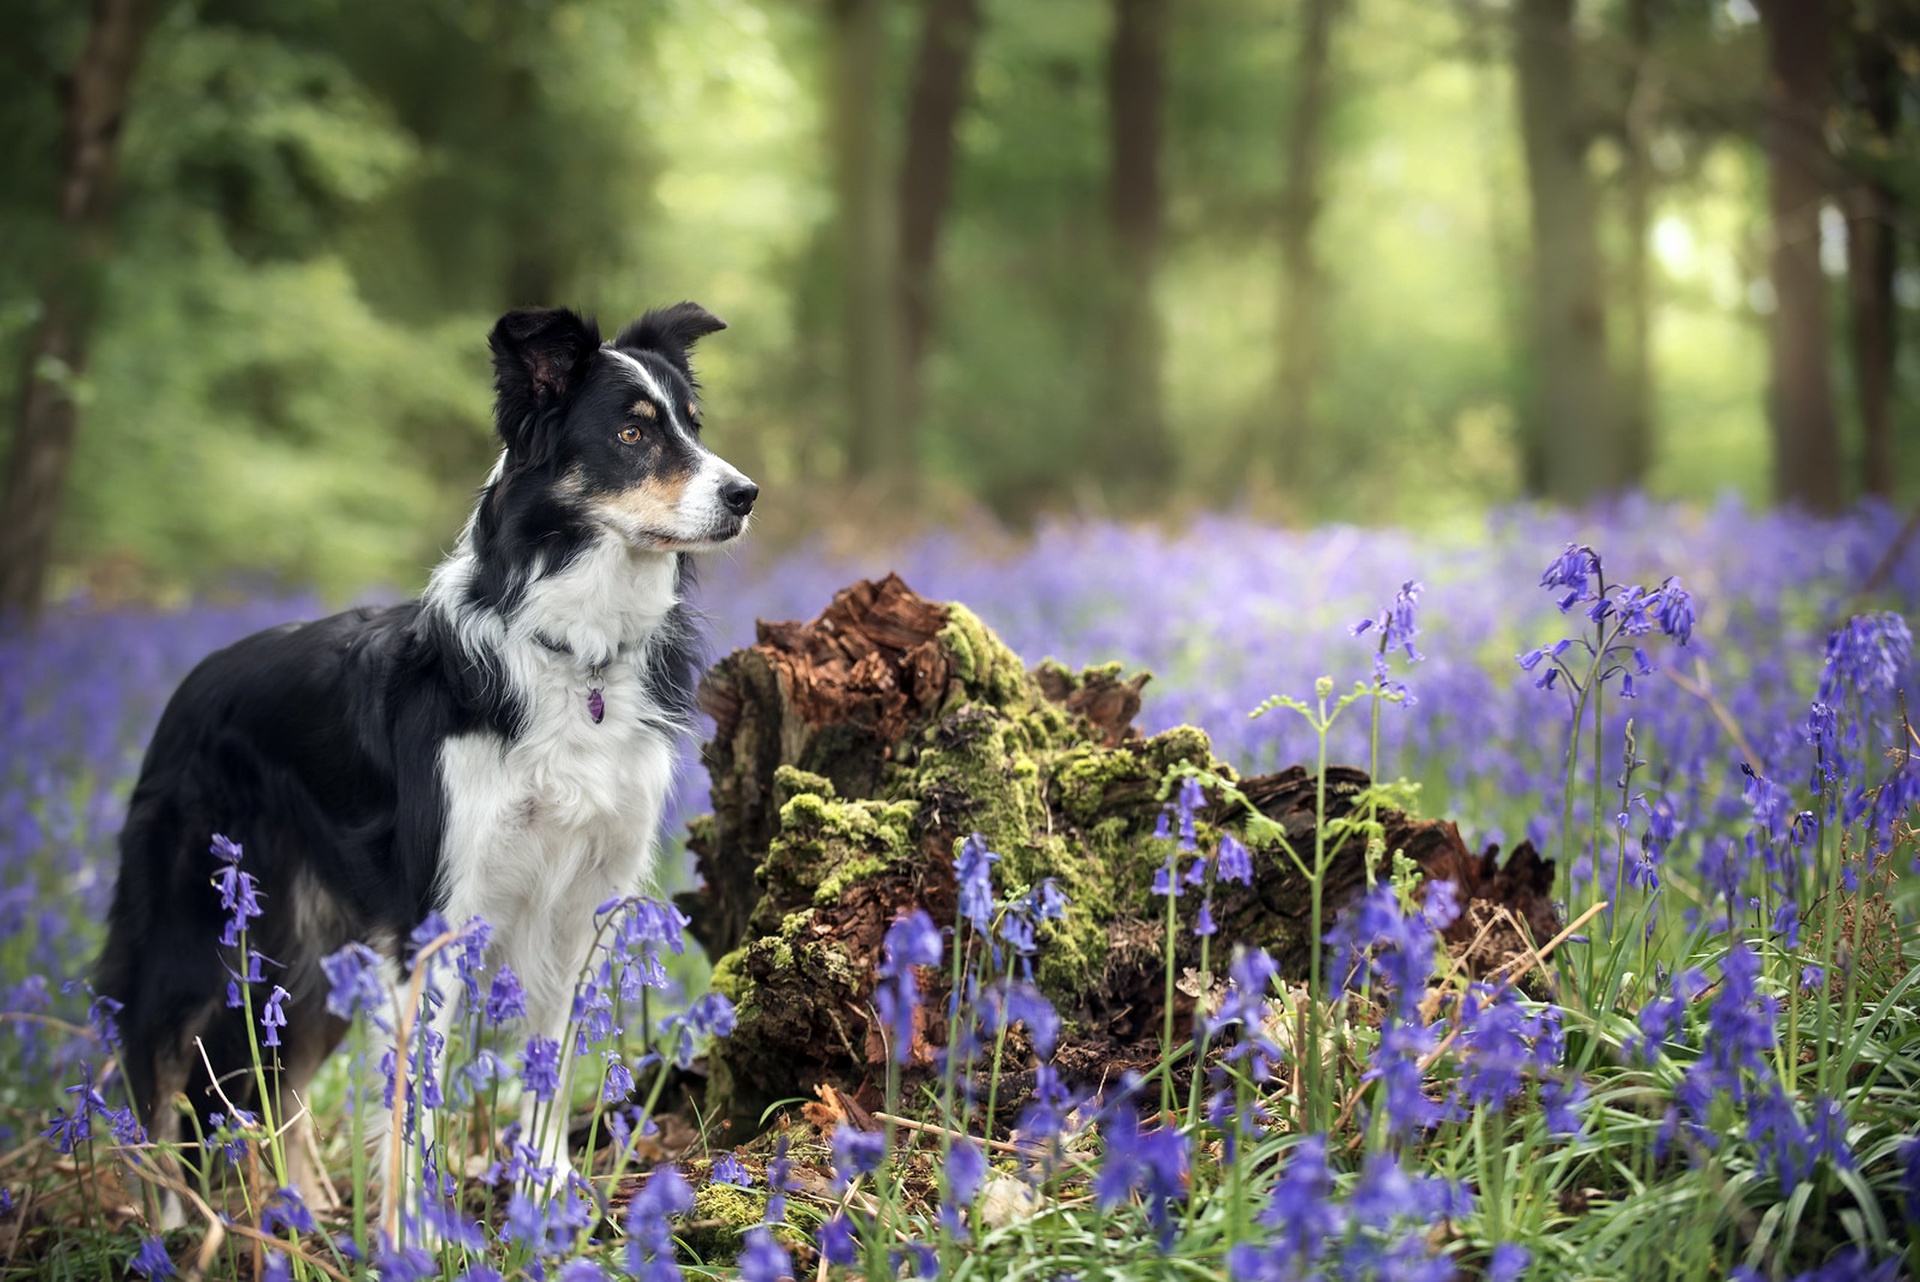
{"type": "Point", "coordinates": [1235, 863]}
{"type": "Point", "coordinates": [1909, 1153]}
{"type": "Point", "coordinates": [973, 871]}
{"type": "Point", "coordinates": [649, 1251]}
{"type": "Point", "coordinates": [1153, 1163]}
{"type": "Point", "coordinates": [1386, 1192]}
{"type": "Point", "coordinates": [582, 1271]}
{"type": "Point", "coordinates": [469, 956]}
{"type": "Point", "coordinates": [1501, 1041]}
{"type": "Point", "coordinates": [69, 1131]}
{"type": "Point", "coordinates": [103, 1014]}
{"type": "Point", "coordinates": [912, 940]}
{"type": "Point", "coordinates": [274, 1017]}
{"type": "Point", "coordinates": [856, 1152]}
{"type": "Point", "coordinates": [1188, 800]}
{"type": "Point", "coordinates": [239, 892]}
{"type": "Point", "coordinates": [730, 1170]}
{"type": "Point", "coordinates": [228, 1134]}
{"type": "Point", "coordinates": [1508, 1262]}
{"type": "Point", "coordinates": [1574, 570]}
{"type": "Point", "coordinates": [505, 998]}
{"type": "Point", "coordinates": [916, 1259]}
{"type": "Point", "coordinates": [1203, 924]}
{"type": "Point", "coordinates": [966, 1169]}
{"type": "Point", "coordinates": [404, 1264]}
{"type": "Point", "coordinates": [1440, 906]}
{"type": "Point", "coordinates": [837, 1241]}
{"type": "Point", "coordinates": [763, 1259]}
{"type": "Point", "coordinates": [152, 1260]}
{"type": "Point", "coordinates": [712, 1015]}
{"type": "Point", "coordinates": [1301, 1211]}
{"type": "Point", "coordinates": [1563, 1103]}
{"type": "Point", "coordinates": [1250, 976]}
{"type": "Point", "coordinates": [353, 979]}
{"type": "Point", "coordinates": [1166, 880]}
{"type": "Point", "coordinates": [286, 1210]}
{"type": "Point", "coordinates": [1011, 1001]}
{"type": "Point", "coordinates": [619, 1081]}
{"type": "Point", "coordinates": [540, 1066]}
{"type": "Point", "coordinates": [1373, 934]}
{"type": "Point", "coordinates": [1868, 658]}
{"type": "Point", "coordinates": [1047, 901]}
{"type": "Point", "coordinates": [777, 1172]}
{"type": "Point", "coordinates": [1673, 610]}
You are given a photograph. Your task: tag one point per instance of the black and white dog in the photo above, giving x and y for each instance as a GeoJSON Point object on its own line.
{"type": "Point", "coordinates": [501, 748]}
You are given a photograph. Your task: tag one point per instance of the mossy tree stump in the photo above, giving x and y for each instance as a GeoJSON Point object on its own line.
{"type": "Point", "coordinates": [852, 753]}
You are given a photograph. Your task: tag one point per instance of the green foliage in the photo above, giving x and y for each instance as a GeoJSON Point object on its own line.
{"type": "Point", "coordinates": [322, 206]}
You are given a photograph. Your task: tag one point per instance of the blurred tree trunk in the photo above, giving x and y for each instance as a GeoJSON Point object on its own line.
{"type": "Point", "coordinates": [1133, 455]}
{"type": "Point", "coordinates": [1301, 330]}
{"type": "Point", "coordinates": [69, 301]}
{"type": "Point", "coordinates": [942, 70]}
{"type": "Point", "coordinates": [1636, 187]}
{"type": "Point", "coordinates": [879, 441]}
{"type": "Point", "coordinates": [1871, 257]}
{"type": "Point", "coordinates": [1570, 419]}
{"type": "Point", "coordinates": [1806, 444]}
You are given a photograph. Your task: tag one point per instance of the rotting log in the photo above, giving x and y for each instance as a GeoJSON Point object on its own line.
{"type": "Point", "coordinates": [852, 753]}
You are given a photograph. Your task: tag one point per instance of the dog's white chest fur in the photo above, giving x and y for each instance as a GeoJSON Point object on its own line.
{"type": "Point", "coordinates": [542, 828]}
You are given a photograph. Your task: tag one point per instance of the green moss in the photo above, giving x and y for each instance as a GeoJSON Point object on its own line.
{"type": "Point", "coordinates": [721, 1214]}
{"type": "Point", "coordinates": [854, 870]}
{"type": "Point", "coordinates": [825, 844]}
{"type": "Point", "coordinates": [987, 669]}
{"type": "Point", "coordinates": [1084, 777]}
{"type": "Point", "coordinates": [791, 781]}
{"type": "Point", "coordinates": [728, 979]}
{"type": "Point", "coordinates": [1186, 745]}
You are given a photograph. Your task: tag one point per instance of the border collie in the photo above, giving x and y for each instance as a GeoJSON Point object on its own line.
{"type": "Point", "coordinates": [501, 748]}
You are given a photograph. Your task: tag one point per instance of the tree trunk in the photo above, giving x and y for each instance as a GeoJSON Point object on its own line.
{"type": "Point", "coordinates": [942, 70]}
{"type": "Point", "coordinates": [1806, 444]}
{"type": "Point", "coordinates": [1570, 413]}
{"type": "Point", "coordinates": [852, 753]}
{"type": "Point", "coordinates": [879, 444]}
{"type": "Point", "coordinates": [1132, 455]}
{"type": "Point", "coordinates": [1300, 327]}
{"type": "Point", "coordinates": [1871, 262]}
{"type": "Point", "coordinates": [1636, 194]}
{"type": "Point", "coordinates": [69, 301]}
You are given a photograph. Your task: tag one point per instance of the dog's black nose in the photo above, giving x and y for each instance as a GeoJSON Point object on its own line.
{"type": "Point", "coordinates": [739, 496]}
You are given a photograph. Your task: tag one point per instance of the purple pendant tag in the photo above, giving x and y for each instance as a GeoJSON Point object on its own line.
{"type": "Point", "coordinates": [596, 706]}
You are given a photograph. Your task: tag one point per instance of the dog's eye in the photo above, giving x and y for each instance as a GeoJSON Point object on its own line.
{"type": "Point", "coordinates": [630, 435]}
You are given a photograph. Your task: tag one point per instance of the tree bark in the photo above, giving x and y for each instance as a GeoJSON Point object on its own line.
{"type": "Point", "coordinates": [1300, 328]}
{"type": "Point", "coordinates": [1871, 261]}
{"type": "Point", "coordinates": [943, 69]}
{"type": "Point", "coordinates": [69, 301]}
{"type": "Point", "coordinates": [1133, 455]}
{"type": "Point", "coordinates": [879, 444]}
{"type": "Point", "coordinates": [1570, 415]}
{"type": "Point", "coordinates": [1643, 78]}
{"type": "Point", "coordinates": [852, 753]}
{"type": "Point", "coordinates": [1806, 444]}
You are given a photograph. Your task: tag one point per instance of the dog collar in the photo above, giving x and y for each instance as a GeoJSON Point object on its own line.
{"type": "Point", "coordinates": [596, 700]}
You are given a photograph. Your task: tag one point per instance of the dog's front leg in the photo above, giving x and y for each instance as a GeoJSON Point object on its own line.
{"type": "Point", "coordinates": [544, 1123]}
{"type": "Point", "coordinates": [398, 1153]}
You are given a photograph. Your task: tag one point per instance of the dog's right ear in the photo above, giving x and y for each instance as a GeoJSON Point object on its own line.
{"type": "Point", "coordinates": [539, 358]}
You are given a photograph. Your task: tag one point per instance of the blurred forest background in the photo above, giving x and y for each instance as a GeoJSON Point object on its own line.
{"type": "Point", "coordinates": [1369, 260]}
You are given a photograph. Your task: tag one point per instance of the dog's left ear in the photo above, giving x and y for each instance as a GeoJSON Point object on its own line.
{"type": "Point", "coordinates": [672, 332]}
{"type": "Point", "coordinates": [539, 358]}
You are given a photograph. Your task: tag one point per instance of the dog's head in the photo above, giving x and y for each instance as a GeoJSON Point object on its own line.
{"type": "Point", "coordinates": [613, 429]}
